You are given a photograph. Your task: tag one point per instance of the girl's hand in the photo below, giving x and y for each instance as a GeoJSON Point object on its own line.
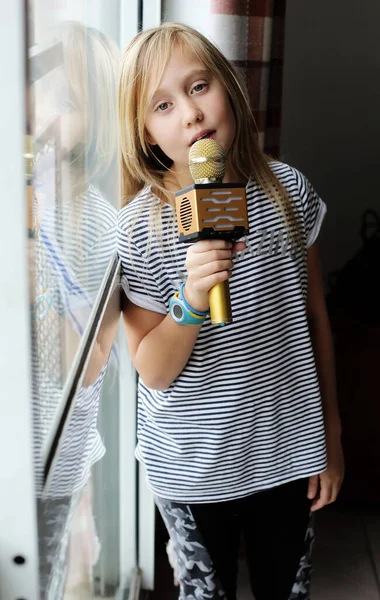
{"type": "Point", "coordinates": [208, 262]}
{"type": "Point", "coordinates": [324, 488]}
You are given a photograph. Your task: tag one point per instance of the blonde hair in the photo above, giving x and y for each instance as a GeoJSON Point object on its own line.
{"type": "Point", "coordinates": [149, 53]}
{"type": "Point", "coordinates": [91, 68]}
{"type": "Point", "coordinates": [85, 83]}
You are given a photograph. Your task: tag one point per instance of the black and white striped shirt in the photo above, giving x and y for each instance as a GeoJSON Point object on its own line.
{"type": "Point", "coordinates": [245, 414]}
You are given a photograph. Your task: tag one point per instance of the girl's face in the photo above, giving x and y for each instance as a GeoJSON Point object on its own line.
{"type": "Point", "coordinates": [189, 103]}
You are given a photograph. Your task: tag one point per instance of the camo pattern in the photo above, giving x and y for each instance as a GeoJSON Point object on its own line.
{"type": "Point", "coordinates": [192, 565]}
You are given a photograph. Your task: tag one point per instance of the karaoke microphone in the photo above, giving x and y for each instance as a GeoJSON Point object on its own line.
{"type": "Point", "coordinates": [210, 209]}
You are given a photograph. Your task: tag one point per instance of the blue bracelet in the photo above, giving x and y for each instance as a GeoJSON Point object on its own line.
{"type": "Point", "coordinates": [200, 313]}
{"type": "Point", "coordinates": [181, 311]}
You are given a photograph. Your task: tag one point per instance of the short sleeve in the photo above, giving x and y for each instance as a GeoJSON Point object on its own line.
{"type": "Point", "coordinates": [137, 279]}
{"type": "Point", "coordinates": [314, 209]}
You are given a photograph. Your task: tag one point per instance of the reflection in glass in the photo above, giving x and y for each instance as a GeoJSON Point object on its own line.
{"type": "Point", "coordinates": [66, 509]}
{"type": "Point", "coordinates": [73, 203]}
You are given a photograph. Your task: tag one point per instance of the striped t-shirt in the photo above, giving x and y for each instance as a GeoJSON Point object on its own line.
{"type": "Point", "coordinates": [245, 414]}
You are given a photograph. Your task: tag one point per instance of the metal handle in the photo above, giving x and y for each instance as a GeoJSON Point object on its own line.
{"type": "Point", "coordinates": [220, 304]}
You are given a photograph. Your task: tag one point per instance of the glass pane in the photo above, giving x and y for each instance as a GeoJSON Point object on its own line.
{"type": "Point", "coordinates": [74, 531]}
{"type": "Point", "coordinates": [73, 125]}
{"type": "Point", "coordinates": [73, 199]}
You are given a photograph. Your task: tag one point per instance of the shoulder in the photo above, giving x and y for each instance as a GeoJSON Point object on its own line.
{"type": "Point", "coordinates": [141, 212]}
{"type": "Point", "coordinates": [297, 185]}
{"type": "Point", "coordinates": [140, 203]}
{"type": "Point", "coordinates": [99, 208]}
{"type": "Point", "coordinates": [311, 207]}
{"type": "Point", "coordinates": [295, 182]}
{"type": "Point", "coordinates": [133, 218]}
{"type": "Point", "coordinates": [291, 178]}
{"type": "Point", "coordinates": [143, 220]}
{"type": "Point", "coordinates": [87, 218]}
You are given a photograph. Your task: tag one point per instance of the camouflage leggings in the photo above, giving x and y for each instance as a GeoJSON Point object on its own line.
{"type": "Point", "coordinates": [278, 533]}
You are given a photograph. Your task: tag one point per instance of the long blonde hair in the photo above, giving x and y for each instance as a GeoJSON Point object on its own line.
{"type": "Point", "coordinates": [149, 53]}
{"type": "Point", "coordinates": [91, 69]}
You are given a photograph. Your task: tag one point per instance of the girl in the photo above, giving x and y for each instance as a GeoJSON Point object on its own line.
{"type": "Point", "coordinates": [234, 422]}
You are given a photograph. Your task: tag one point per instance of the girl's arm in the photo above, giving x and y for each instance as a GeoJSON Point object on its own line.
{"type": "Point", "coordinates": [160, 347]}
{"type": "Point", "coordinates": [330, 481]}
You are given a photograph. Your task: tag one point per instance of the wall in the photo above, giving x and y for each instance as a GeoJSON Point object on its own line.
{"type": "Point", "coordinates": [331, 117]}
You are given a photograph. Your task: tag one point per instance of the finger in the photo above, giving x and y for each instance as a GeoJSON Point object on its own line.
{"type": "Point", "coordinates": [324, 497]}
{"type": "Point", "coordinates": [208, 282]}
{"type": "Point", "coordinates": [199, 259]}
{"type": "Point", "coordinates": [213, 256]}
{"type": "Point", "coordinates": [213, 267]}
{"type": "Point", "coordinates": [313, 486]}
{"type": "Point", "coordinates": [203, 284]}
{"type": "Point", "coordinates": [239, 247]}
{"type": "Point", "coordinates": [335, 492]}
{"type": "Point", "coordinates": [206, 245]}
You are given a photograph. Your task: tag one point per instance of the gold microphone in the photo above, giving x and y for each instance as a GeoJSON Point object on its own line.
{"type": "Point", "coordinates": [210, 209]}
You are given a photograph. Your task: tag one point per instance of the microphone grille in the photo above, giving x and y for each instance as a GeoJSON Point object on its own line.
{"type": "Point", "coordinates": [207, 161]}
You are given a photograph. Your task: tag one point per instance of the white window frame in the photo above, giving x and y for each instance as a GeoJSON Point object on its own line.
{"type": "Point", "coordinates": [18, 523]}
{"type": "Point", "coordinates": [152, 11]}
{"type": "Point", "coordinates": [152, 16]}
{"type": "Point", "coordinates": [129, 14]}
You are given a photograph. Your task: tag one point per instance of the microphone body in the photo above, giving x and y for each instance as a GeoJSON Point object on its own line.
{"type": "Point", "coordinates": [210, 209]}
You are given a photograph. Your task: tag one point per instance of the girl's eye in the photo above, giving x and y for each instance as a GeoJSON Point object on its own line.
{"type": "Point", "coordinates": [66, 105]}
{"type": "Point", "coordinates": [199, 87]}
{"type": "Point", "coordinates": [163, 107]}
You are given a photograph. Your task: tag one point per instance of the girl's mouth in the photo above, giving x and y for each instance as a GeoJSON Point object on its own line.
{"type": "Point", "coordinates": [207, 135]}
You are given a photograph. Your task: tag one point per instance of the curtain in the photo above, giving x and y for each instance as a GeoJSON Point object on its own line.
{"type": "Point", "coordinates": [251, 34]}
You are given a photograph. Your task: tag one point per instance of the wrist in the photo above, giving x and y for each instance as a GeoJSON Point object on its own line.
{"type": "Point", "coordinates": [197, 302]}
{"type": "Point", "coordinates": [183, 313]}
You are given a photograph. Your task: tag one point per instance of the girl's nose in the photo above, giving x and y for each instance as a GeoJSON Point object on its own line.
{"type": "Point", "coordinates": [191, 114]}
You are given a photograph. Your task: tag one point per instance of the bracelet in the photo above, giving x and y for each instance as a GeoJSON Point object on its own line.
{"type": "Point", "coordinates": [181, 311]}
{"type": "Point", "coordinates": [200, 313]}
